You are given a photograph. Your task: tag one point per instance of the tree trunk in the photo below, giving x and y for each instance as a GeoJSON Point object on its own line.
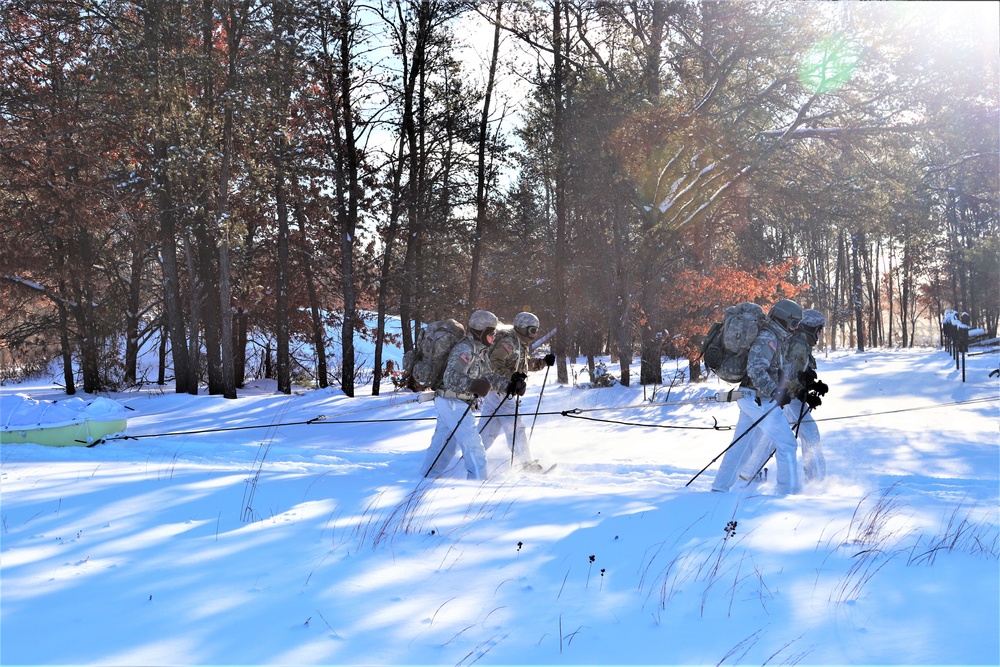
{"type": "Point", "coordinates": [651, 340]}
{"type": "Point", "coordinates": [210, 292]}
{"type": "Point", "coordinates": [161, 370]}
{"type": "Point", "coordinates": [481, 176]}
{"type": "Point", "coordinates": [132, 315]}
{"type": "Point", "coordinates": [319, 339]}
{"type": "Point", "coordinates": [349, 223]}
{"type": "Point", "coordinates": [194, 341]}
{"type": "Point", "coordinates": [891, 289]}
{"type": "Point", "coordinates": [385, 272]}
{"type": "Point", "coordinates": [558, 147]}
{"type": "Point", "coordinates": [240, 347]}
{"type": "Point", "coordinates": [281, 26]}
{"type": "Point", "coordinates": [89, 357]}
{"type": "Point", "coordinates": [857, 296]}
{"type": "Point", "coordinates": [283, 360]}
{"type": "Point", "coordinates": [170, 273]}
{"type": "Point", "coordinates": [621, 294]}
{"type": "Point", "coordinates": [651, 367]}
{"type": "Point", "coordinates": [65, 349]}
{"type": "Point", "coordinates": [229, 379]}
{"type": "Point", "coordinates": [414, 230]}
{"type": "Point", "coordinates": [838, 281]}
{"type": "Point", "coordinates": [906, 311]}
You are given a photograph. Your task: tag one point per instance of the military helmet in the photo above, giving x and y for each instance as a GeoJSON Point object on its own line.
{"type": "Point", "coordinates": [526, 324]}
{"type": "Point", "coordinates": [812, 322]}
{"type": "Point", "coordinates": [813, 319]}
{"type": "Point", "coordinates": [482, 320]}
{"type": "Point", "coordinates": [483, 325]}
{"type": "Point", "coordinates": [787, 313]}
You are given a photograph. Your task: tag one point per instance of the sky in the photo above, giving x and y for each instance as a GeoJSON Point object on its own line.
{"type": "Point", "coordinates": [299, 530]}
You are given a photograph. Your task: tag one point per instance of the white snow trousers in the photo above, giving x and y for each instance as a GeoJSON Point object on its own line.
{"type": "Point", "coordinates": [451, 413]}
{"type": "Point", "coordinates": [503, 420]}
{"type": "Point", "coordinates": [774, 427]}
{"type": "Point", "coordinates": [813, 461]}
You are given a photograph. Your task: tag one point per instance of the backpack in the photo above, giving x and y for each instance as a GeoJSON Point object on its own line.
{"type": "Point", "coordinates": [727, 342]}
{"type": "Point", "coordinates": [423, 366]}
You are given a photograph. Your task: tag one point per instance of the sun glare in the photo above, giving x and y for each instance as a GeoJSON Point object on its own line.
{"type": "Point", "coordinates": [980, 20]}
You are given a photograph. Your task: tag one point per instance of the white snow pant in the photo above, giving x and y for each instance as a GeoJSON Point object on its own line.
{"type": "Point", "coordinates": [503, 420]}
{"type": "Point", "coordinates": [736, 455]}
{"type": "Point", "coordinates": [774, 427]}
{"type": "Point", "coordinates": [451, 413]}
{"type": "Point", "coordinates": [813, 461]}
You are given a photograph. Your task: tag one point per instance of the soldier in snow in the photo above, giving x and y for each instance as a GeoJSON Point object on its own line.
{"type": "Point", "coordinates": [765, 365]}
{"type": "Point", "coordinates": [511, 360]}
{"type": "Point", "coordinates": [465, 382]}
{"type": "Point", "coordinates": [799, 361]}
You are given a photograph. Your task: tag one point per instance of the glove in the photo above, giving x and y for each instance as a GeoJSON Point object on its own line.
{"type": "Point", "coordinates": [517, 385]}
{"type": "Point", "coordinates": [550, 359]}
{"type": "Point", "coordinates": [813, 400]}
{"type": "Point", "coordinates": [820, 388]}
{"type": "Point", "coordinates": [781, 397]}
{"type": "Point", "coordinates": [480, 387]}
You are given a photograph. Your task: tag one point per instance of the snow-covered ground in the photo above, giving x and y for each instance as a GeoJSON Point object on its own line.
{"type": "Point", "coordinates": [244, 532]}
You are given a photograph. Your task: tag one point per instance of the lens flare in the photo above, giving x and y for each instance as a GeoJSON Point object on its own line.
{"type": "Point", "coordinates": [829, 64]}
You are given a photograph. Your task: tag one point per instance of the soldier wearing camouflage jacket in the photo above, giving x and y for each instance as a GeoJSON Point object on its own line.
{"type": "Point", "coordinates": [766, 360]}
{"type": "Point", "coordinates": [465, 381]}
{"type": "Point", "coordinates": [511, 360]}
{"type": "Point", "coordinates": [468, 360]}
{"type": "Point", "coordinates": [798, 359]}
{"type": "Point", "coordinates": [510, 354]}
{"type": "Point", "coordinates": [766, 377]}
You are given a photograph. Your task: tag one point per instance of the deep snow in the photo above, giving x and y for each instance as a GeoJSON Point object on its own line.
{"type": "Point", "coordinates": [319, 543]}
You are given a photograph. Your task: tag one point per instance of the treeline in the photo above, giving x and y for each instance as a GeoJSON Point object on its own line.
{"type": "Point", "coordinates": [236, 177]}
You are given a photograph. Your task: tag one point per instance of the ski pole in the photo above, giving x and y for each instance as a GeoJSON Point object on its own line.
{"type": "Point", "coordinates": [445, 445]}
{"type": "Point", "coordinates": [513, 438]}
{"type": "Point", "coordinates": [539, 404]}
{"type": "Point", "coordinates": [738, 438]}
{"type": "Point", "coordinates": [499, 405]}
{"type": "Point", "coordinates": [802, 414]}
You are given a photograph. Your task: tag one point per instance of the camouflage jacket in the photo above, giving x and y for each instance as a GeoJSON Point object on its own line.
{"type": "Point", "coordinates": [467, 361]}
{"type": "Point", "coordinates": [509, 355]}
{"type": "Point", "coordinates": [766, 366]}
{"type": "Point", "coordinates": [798, 358]}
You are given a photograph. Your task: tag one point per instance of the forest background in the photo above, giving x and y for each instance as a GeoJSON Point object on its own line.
{"type": "Point", "coordinates": [255, 182]}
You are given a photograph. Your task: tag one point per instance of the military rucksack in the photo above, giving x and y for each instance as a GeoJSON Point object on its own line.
{"type": "Point", "coordinates": [423, 366]}
{"type": "Point", "coordinates": [727, 342]}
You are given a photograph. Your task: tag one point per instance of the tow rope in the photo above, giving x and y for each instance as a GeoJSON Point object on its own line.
{"type": "Point", "coordinates": [574, 413]}
{"type": "Point", "coordinates": [920, 407]}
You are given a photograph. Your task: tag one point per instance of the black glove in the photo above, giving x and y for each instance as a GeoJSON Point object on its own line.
{"type": "Point", "coordinates": [820, 388]}
{"type": "Point", "coordinates": [807, 377]}
{"type": "Point", "coordinates": [480, 387]}
{"type": "Point", "coordinates": [813, 400]}
{"type": "Point", "coordinates": [550, 359]}
{"type": "Point", "coordinates": [517, 385]}
{"type": "Point", "coordinates": [781, 396]}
